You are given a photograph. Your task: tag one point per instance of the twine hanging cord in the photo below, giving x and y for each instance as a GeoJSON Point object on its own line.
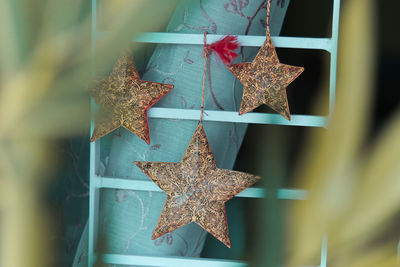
{"type": "Point", "coordinates": [206, 52]}
{"type": "Point", "coordinates": [223, 49]}
{"type": "Point", "coordinates": [268, 33]}
{"type": "Point", "coordinates": [229, 44]}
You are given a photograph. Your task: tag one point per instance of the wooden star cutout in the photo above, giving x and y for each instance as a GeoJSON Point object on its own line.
{"type": "Point", "coordinates": [124, 99]}
{"type": "Point", "coordinates": [196, 189]}
{"type": "Point", "coordinates": [265, 80]}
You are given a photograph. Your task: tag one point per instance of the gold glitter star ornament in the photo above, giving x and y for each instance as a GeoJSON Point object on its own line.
{"type": "Point", "coordinates": [265, 80]}
{"type": "Point", "coordinates": [196, 189]}
{"type": "Point", "coordinates": [124, 100]}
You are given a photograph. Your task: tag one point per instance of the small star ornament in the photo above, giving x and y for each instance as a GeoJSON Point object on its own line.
{"type": "Point", "coordinates": [196, 189]}
{"type": "Point", "coordinates": [265, 80]}
{"type": "Point", "coordinates": [124, 99]}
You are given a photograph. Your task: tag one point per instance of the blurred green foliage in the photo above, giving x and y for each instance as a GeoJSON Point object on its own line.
{"type": "Point", "coordinates": [45, 66]}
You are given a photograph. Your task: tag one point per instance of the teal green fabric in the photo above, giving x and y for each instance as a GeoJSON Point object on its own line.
{"type": "Point", "coordinates": [128, 218]}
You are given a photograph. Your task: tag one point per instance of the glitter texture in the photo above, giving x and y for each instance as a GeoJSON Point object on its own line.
{"type": "Point", "coordinates": [196, 189]}
{"type": "Point", "coordinates": [124, 99]}
{"type": "Point", "coordinates": [265, 80]}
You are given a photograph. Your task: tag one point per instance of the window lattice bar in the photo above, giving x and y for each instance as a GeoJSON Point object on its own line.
{"type": "Point", "coordinates": [98, 182]}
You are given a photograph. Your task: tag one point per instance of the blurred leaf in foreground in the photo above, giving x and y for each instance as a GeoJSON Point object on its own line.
{"type": "Point", "coordinates": [354, 186]}
{"type": "Point", "coordinates": [45, 66]}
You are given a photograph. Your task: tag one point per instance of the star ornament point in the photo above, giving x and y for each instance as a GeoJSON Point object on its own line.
{"type": "Point", "coordinates": [196, 189]}
{"type": "Point", "coordinates": [265, 80]}
{"type": "Point", "coordinates": [124, 100]}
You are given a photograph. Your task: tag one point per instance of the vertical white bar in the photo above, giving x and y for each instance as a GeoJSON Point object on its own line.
{"type": "Point", "coordinates": [93, 191]}
{"type": "Point", "coordinates": [93, 201]}
{"type": "Point", "coordinates": [324, 251]}
{"type": "Point", "coordinates": [334, 51]}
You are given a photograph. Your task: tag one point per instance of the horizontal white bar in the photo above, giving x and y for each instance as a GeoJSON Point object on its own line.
{"type": "Point", "coordinates": [233, 116]}
{"type": "Point", "coordinates": [168, 261]}
{"type": "Point", "coordinates": [244, 40]}
{"type": "Point", "coordinates": [142, 185]}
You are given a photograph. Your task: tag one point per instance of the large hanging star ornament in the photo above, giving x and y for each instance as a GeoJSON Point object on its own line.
{"type": "Point", "coordinates": [196, 189]}
{"type": "Point", "coordinates": [124, 99]}
{"type": "Point", "coordinates": [265, 80]}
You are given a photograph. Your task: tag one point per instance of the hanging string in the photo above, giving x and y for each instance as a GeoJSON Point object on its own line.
{"type": "Point", "coordinates": [268, 33]}
{"type": "Point", "coordinates": [225, 49]}
{"type": "Point", "coordinates": [206, 52]}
